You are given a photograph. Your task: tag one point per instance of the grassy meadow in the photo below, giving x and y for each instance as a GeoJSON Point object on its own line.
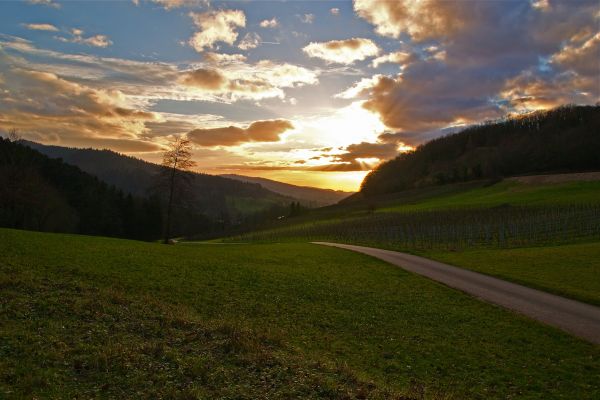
{"type": "Point", "coordinates": [568, 270]}
{"type": "Point", "coordinates": [106, 318]}
{"type": "Point", "coordinates": [507, 193]}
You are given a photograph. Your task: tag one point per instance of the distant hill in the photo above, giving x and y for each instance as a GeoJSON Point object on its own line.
{"type": "Point", "coordinates": [214, 196]}
{"type": "Point", "coordinates": [566, 139]}
{"type": "Point", "coordinates": [309, 196]}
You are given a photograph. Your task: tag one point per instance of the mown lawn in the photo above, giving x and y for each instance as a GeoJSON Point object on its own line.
{"type": "Point", "coordinates": [105, 318]}
{"type": "Point", "coordinates": [568, 270]}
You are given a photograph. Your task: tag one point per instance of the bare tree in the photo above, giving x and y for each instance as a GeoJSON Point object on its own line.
{"type": "Point", "coordinates": [14, 135]}
{"type": "Point", "coordinates": [175, 177]}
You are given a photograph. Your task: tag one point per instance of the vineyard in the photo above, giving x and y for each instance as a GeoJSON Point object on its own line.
{"type": "Point", "coordinates": [498, 227]}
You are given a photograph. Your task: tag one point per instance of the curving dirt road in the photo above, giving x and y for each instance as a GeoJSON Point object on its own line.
{"type": "Point", "coordinates": [579, 319]}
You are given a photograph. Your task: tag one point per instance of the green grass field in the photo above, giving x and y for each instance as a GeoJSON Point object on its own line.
{"type": "Point", "coordinates": [507, 193]}
{"type": "Point", "coordinates": [568, 270]}
{"type": "Point", "coordinates": [92, 317]}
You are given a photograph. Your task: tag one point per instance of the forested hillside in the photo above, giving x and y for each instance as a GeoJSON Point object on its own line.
{"type": "Point", "coordinates": [40, 193]}
{"type": "Point", "coordinates": [217, 197]}
{"type": "Point", "coordinates": [566, 139]}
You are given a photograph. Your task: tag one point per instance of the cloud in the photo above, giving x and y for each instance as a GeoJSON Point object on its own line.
{"type": "Point", "coordinates": [171, 4]}
{"type": "Point", "coordinates": [48, 3]}
{"type": "Point", "coordinates": [574, 77]}
{"type": "Point", "coordinates": [334, 11]}
{"type": "Point", "coordinates": [84, 100]}
{"type": "Point", "coordinates": [306, 18]}
{"type": "Point", "coordinates": [406, 140]}
{"type": "Point", "coordinates": [541, 4]}
{"type": "Point", "coordinates": [349, 166]}
{"type": "Point", "coordinates": [41, 27]}
{"type": "Point", "coordinates": [464, 68]}
{"type": "Point", "coordinates": [144, 80]}
{"type": "Point", "coordinates": [145, 83]}
{"type": "Point", "coordinates": [259, 131]}
{"type": "Point", "coordinates": [300, 166]}
{"type": "Point", "coordinates": [209, 79]}
{"type": "Point", "coordinates": [94, 41]}
{"type": "Point", "coordinates": [408, 104]}
{"type": "Point", "coordinates": [422, 20]}
{"type": "Point", "coordinates": [250, 41]}
{"type": "Point", "coordinates": [269, 23]}
{"type": "Point", "coordinates": [366, 150]}
{"type": "Point", "coordinates": [359, 88]}
{"type": "Point", "coordinates": [530, 91]}
{"type": "Point", "coordinates": [218, 58]}
{"type": "Point", "coordinates": [216, 26]}
{"type": "Point", "coordinates": [239, 80]}
{"type": "Point", "coordinates": [342, 51]}
{"type": "Point", "coordinates": [121, 145]}
{"type": "Point", "coordinates": [398, 57]}
{"type": "Point", "coordinates": [582, 56]}
{"type": "Point", "coordinates": [48, 108]}
{"type": "Point", "coordinates": [170, 124]}
{"type": "Point", "coordinates": [285, 75]}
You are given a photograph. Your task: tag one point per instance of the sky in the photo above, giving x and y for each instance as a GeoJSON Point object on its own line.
{"type": "Point", "coordinates": [307, 92]}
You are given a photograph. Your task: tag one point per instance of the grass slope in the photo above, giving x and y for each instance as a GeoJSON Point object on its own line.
{"type": "Point", "coordinates": [473, 195]}
{"type": "Point", "coordinates": [96, 317]}
{"type": "Point", "coordinates": [568, 270]}
{"type": "Point", "coordinates": [508, 193]}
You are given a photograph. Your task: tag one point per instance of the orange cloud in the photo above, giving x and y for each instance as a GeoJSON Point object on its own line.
{"type": "Point", "coordinates": [397, 57]}
{"type": "Point", "coordinates": [259, 131]}
{"type": "Point", "coordinates": [342, 51]}
{"type": "Point", "coordinates": [528, 92]}
{"type": "Point", "coordinates": [51, 109]}
{"type": "Point", "coordinates": [209, 79]}
{"type": "Point", "coordinates": [232, 80]}
{"type": "Point", "coordinates": [422, 20]}
{"type": "Point", "coordinates": [577, 81]}
{"type": "Point", "coordinates": [381, 151]}
{"type": "Point", "coordinates": [580, 55]}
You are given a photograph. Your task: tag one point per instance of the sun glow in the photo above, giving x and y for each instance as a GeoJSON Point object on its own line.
{"type": "Point", "coordinates": [305, 154]}
{"type": "Point", "coordinates": [347, 181]}
{"type": "Point", "coordinates": [348, 125]}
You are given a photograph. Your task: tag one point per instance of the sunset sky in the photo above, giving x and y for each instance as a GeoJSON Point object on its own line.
{"type": "Point", "coordinates": [311, 93]}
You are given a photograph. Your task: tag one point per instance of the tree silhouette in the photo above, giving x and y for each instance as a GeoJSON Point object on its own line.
{"type": "Point", "coordinates": [175, 177]}
{"type": "Point", "coordinates": [14, 135]}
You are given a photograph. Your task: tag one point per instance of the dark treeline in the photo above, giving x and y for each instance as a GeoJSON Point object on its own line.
{"type": "Point", "coordinates": [565, 139]}
{"type": "Point", "coordinates": [40, 193]}
{"type": "Point", "coordinates": [46, 194]}
{"type": "Point", "coordinates": [224, 226]}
